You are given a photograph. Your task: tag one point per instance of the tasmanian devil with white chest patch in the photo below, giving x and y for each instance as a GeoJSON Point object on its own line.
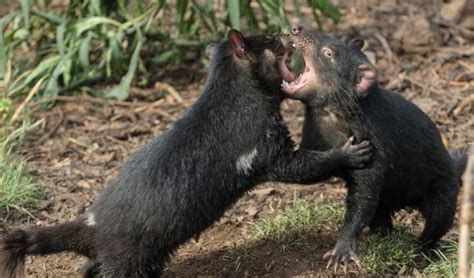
{"type": "Point", "coordinates": [181, 182]}
{"type": "Point", "coordinates": [410, 166]}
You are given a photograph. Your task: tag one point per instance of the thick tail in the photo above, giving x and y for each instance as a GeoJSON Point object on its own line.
{"type": "Point", "coordinates": [16, 244]}
{"type": "Point", "coordinates": [459, 159]}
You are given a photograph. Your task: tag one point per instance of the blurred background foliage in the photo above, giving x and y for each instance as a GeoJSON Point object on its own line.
{"type": "Point", "coordinates": [75, 44]}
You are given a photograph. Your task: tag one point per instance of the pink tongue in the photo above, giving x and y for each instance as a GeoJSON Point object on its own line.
{"type": "Point", "coordinates": [285, 73]}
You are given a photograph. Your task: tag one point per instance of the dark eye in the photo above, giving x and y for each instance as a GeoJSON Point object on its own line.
{"type": "Point", "coordinates": [326, 51]}
{"type": "Point", "coordinates": [268, 39]}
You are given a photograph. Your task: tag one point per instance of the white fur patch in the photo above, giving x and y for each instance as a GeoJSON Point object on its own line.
{"type": "Point", "coordinates": [90, 220]}
{"type": "Point", "coordinates": [244, 162]}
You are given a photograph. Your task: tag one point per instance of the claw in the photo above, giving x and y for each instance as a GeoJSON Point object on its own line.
{"type": "Point", "coordinates": [329, 254]}
{"type": "Point", "coordinates": [329, 264]}
{"type": "Point", "coordinates": [336, 260]}
{"type": "Point", "coordinates": [355, 259]}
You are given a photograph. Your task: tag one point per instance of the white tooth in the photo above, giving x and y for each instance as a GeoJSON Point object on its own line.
{"type": "Point", "coordinates": [293, 45]}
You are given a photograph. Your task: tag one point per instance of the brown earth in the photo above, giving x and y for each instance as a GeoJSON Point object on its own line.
{"type": "Point", "coordinates": [84, 141]}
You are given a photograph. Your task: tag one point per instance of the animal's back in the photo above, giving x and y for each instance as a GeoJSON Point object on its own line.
{"type": "Point", "coordinates": [412, 147]}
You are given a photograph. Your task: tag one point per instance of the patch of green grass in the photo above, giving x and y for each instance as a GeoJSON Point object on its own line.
{"type": "Point", "coordinates": [446, 263]}
{"type": "Point", "coordinates": [382, 254]}
{"type": "Point", "coordinates": [17, 190]}
{"type": "Point", "coordinates": [295, 225]}
{"type": "Point", "coordinates": [237, 256]}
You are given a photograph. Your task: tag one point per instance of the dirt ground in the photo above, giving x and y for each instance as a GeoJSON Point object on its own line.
{"type": "Point", "coordinates": [85, 141]}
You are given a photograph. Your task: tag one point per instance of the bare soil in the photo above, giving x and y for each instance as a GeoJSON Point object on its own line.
{"type": "Point", "coordinates": [85, 141]}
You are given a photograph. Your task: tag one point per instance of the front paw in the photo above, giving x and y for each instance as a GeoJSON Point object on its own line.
{"type": "Point", "coordinates": [342, 254]}
{"type": "Point", "coordinates": [356, 155]}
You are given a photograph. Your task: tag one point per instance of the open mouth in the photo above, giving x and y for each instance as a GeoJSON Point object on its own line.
{"type": "Point", "coordinates": [291, 82]}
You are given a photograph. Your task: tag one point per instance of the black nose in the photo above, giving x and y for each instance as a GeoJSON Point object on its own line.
{"type": "Point", "coordinates": [296, 29]}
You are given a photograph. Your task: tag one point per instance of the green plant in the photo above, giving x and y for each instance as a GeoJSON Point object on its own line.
{"type": "Point", "coordinates": [294, 226]}
{"type": "Point", "coordinates": [298, 225]}
{"type": "Point", "coordinates": [17, 190]}
{"type": "Point", "coordinates": [446, 262]}
{"type": "Point", "coordinates": [239, 255]}
{"type": "Point", "coordinates": [388, 254]}
{"type": "Point", "coordinates": [77, 44]}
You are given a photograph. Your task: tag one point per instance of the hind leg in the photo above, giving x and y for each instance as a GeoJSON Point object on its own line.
{"type": "Point", "coordinates": [381, 223]}
{"type": "Point", "coordinates": [123, 260]}
{"type": "Point", "coordinates": [438, 208]}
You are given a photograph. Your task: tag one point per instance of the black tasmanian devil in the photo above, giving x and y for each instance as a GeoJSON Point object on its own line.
{"type": "Point", "coordinates": [410, 166]}
{"type": "Point", "coordinates": [181, 182]}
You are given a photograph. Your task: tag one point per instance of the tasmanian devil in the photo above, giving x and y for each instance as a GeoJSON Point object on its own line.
{"type": "Point", "coordinates": [177, 185]}
{"type": "Point", "coordinates": [410, 166]}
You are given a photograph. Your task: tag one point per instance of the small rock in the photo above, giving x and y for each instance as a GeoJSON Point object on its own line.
{"type": "Point", "coordinates": [252, 211]}
{"type": "Point", "coordinates": [224, 220]}
{"type": "Point", "coordinates": [83, 184]}
{"type": "Point", "coordinates": [43, 205]}
{"type": "Point", "coordinates": [453, 11]}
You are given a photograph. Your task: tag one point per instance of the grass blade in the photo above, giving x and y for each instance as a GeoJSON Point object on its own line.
{"type": "Point", "coordinates": [84, 51]}
{"type": "Point", "coordinates": [329, 10]}
{"type": "Point", "coordinates": [25, 10]}
{"type": "Point", "coordinates": [30, 95]}
{"type": "Point", "coordinates": [3, 53]}
{"type": "Point", "coordinates": [49, 17]}
{"type": "Point", "coordinates": [122, 90]}
{"type": "Point", "coordinates": [233, 7]}
{"type": "Point", "coordinates": [60, 38]}
{"type": "Point", "coordinates": [91, 22]}
{"type": "Point", "coordinates": [180, 12]}
{"type": "Point", "coordinates": [45, 66]}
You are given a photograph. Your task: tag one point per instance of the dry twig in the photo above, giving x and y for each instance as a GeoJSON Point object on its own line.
{"type": "Point", "coordinates": [465, 220]}
{"type": "Point", "coordinates": [463, 104]}
{"type": "Point", "coordinates": [30, 95]}
{"type": "Point", "coordinates": [424, 86]}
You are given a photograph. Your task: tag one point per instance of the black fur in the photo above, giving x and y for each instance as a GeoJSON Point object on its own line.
{"type": "Point", "coordinates": [410, 166]}
{"type": "Point", "coordinates": [182, 181]}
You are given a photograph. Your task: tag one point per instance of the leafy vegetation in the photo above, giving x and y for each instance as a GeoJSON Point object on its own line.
{"type": "Point", "coordinates": [17, 190]}
{"type": "Point", "coordinates": [75, 45]}
{"type": "Point", "coordinates": [446, 262]}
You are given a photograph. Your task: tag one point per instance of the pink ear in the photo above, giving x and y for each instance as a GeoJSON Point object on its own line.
{"type": "Point", "coordinates": [236, 39]}
{"type": "Point", "coordinates": [368, 75]}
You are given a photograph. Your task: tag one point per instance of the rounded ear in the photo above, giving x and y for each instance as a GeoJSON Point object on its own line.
{"type": "Point", "coordinates": [237, 41]}
{"type": "Point", "coordinates": [367, 78]}
{"type": "Point", "coordinates": [211, 50]}
{"type": "Point", "coordinates": [356, 43]}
